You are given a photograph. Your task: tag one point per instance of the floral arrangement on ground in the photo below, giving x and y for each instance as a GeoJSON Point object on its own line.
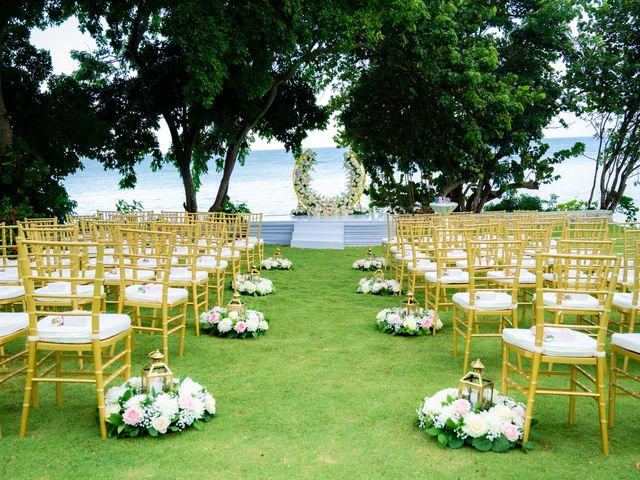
{"type": "Point", "coordinates": [223, 323]}
{"type": "Point", "coordinates": [369, 264]}
{"type": "Point", "coordinates": [276, 263]}
{"type": "Point", "coordinates": [455, 423]}
{"type": "Point", "coordinates": [377, 286]}
{"type": "Point", "coordinates": [397, 321]}
{"type": "Point", "coordinates": [130, 412]}
{"type": "Point", "coordinates": [256, 286]}
{"type": "Point", "coordinates": [311, 202]}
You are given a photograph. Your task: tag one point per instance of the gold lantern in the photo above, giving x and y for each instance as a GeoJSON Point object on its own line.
{"type": "Point", "coordinates": [255, 275]}
{"type": "Point", "coordinates": [476, 389]}
{"type": "Point", "coordinates": [378, 275]}
{"type": "Point", "coordinates": [157, 376]}
{"type": "Point", "coordinates": [370, 257]}
{"type": "Point", "coordinates": [276, 254]}
{"type": "Point", "coordinates": [236, 305]}
{"type": "Point", "coordinates": [411, 306]}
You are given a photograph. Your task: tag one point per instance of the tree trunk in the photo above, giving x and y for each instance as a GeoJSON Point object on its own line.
{"type": "Point", "coordinates": [223, 188]}
{"type": "Point", "coordinates": [6, 132]}
{"type": "Point", "coordinates": [183, 159]}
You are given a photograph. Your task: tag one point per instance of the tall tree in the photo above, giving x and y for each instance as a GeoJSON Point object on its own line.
{"type": "Point", "coordinates": [46, 123]}
{"type": "Point", "coordinates": [217, 73]}
{"type": "Point", "coordinates": [457, 106]}
{"type": "Point", "coordinates": [604, 74]}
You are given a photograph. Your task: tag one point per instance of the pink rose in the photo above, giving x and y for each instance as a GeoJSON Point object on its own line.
{"type": "Point", "coordinates": [185, 402]}
{"type": "Point", "coordinates": [426, 322]}
{"type": "Point", "coordinates": [132, 416]}
{"type": "Point", "coordinates": [511, 432]}
{"type": "Point", "coordinates": [240, 327]}
{"type": "Point", "coordinates": [519, 411]}
{"type": "Point", "coordinates": [395, 319]}
{"type": "Point", "coordinates": [214, 317]}
{"type": "Point", "coordinates": [461, 406]}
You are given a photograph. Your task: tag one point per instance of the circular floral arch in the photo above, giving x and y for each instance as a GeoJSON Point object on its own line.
{"type": "Point", "coordinates": [311, 202]}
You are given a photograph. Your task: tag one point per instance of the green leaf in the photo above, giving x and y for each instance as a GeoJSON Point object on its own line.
{"type": "Point", "coordinates": [198, 425]}
{"type": "Point", "coordinates": [456, 442]}
{"type": "Point", "coordinates": [442, 439]}
{"type": "Point", "coordinates": [482, 443]}
{"type": "Point", "coordinates": [501, 444]}
{"type": "Point", "coordinates": [433, 431]}
{"type": "Point", "coordinates": [152, 431]}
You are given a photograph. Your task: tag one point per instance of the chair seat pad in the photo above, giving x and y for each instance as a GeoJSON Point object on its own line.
{"type": "Point", "coordinates": [423, 266]}
{"type": "Point", "coordinates": [386, 240]}
{"type": "Point", "coordinates": [78, 329]}
{"type": "Point", "coordinates": [242, 243]}
{"type": "Point", "coordinates": [113, 275]}
{"type": "Point", "coordinates": [12, 322]}
{"type": "Point", "coordinates": [183, 274]}
{"type": "Point", "coordinates": [8, 292]}
{"type": "Point", "coordinates": [525, 278]}
{"type": "Point", "coordinates": [63, 289]}
{"type": "Point", "coordinates": [255, 240]}
{"type": "Point", "coordinates": [66, 273]}
{"type": "Point", "coordinates": [408, 256]}
{"type": "Point", "coordinates": [574, 300]}
{"type": "Point", "coordinates": [455, 254]}
{"type": "Point", "coordinates": [560, 342]}
{"type": "Point", "coordinates": [210, 263]}
{"type": "Point", "coordinates": [480, 262]}
{"type": "Point", "coordinates": [9, 275]}
{"type": "Point", "coordinates": [226, 253]}
{"type": "Point", "coordinates": [11, 262]}
{"type": "Point", "coordinates": [153, 294]}
{"type": "Point", "coordinates": [628, 281]}
{"type": "Point", "coordinates": [528, 263]}
{"type": "Point", "coordinates": [153, 263]}
{"type": "Point", "coordinates": [624, 300]}
{"type": "Point", "coordinates": [484, 300]}
{"type": "Point", "coordinates": [628, 341]}
{"type": "Point", "coordinates": [107, 260]}
{"type": "Point", "coordinates": [452, 275]}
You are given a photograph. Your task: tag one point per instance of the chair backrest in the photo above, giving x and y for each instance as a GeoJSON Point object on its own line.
{"type": "Point", "coordinates": [586, 231]}
{"type": "Point", "coordinates": [582, 286]}
{"type": "Point", "coordinates": [8, 245]}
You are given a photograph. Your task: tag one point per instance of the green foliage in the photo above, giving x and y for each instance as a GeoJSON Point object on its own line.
{"type": "Point", "coordinates": [628, 208]}
{"type": "Point", "coordinates": [11, 214]}
{"type": "Point", "coordinates": [231, 207]}
{"type": "Point", "coordinates": [441, 109]}
{"type": "Point", "coordinates": [512, 202]}
{"type": "Point", "coordinates": [123, 206]}
{"type": "Point", "coordinates": [574, 205]}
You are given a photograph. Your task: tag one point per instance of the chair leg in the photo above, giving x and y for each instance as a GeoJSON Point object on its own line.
{"type": "Point", "coordinates": [128, 346]}
{"type": "Point", "coordinates": [183, 330]}
{"type": "Point", "coordinates": [455, 331]}
{"type": "Point", "coordinates": [58, 359]}
{"type": "Point", "coordinates": [613, 379]}
{"type": "Point", "coordinates": [504, 386]}
{"type": "Point", "coordinates": [31, 370]}
{"type": "Point", "coordinates": [602, 408]}
{"type": "Point", "coordinates": [572, 398]}
{"type": "Point", "coordinates": [531, 398]}
{"type": "Point", "coordinates": [467, 346]}
{"type": "Point", "coordinates": [97, 365]}
{"type": "Point", "coordinates": [196, 299]}
{"type": "Point", "coordinates": [165, 333]}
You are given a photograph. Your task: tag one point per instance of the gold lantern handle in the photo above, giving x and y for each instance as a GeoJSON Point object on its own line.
{"type": "Point", "coordinates": [370, 255]}
{"type": "Point", "coordinates": [276, 254]}
{"type": "Point", "coordinates": [378, 275]}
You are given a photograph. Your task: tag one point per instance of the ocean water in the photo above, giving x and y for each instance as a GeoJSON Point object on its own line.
{"type": "Point", "coordinates": [264, 182]}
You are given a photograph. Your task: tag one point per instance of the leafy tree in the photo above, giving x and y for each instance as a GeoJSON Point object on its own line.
{"type": "Point", "coordinates": [456, 106]}
{"type": "Point", "coordinates": [217, 73]}
{"type": "Point", "coordinates": [45, 120]}
{"type": "Point", "coordinates": [605, 75]}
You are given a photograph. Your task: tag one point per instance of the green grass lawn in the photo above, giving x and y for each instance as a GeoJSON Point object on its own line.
{"type": "Point", "coordinates": [322, 395]}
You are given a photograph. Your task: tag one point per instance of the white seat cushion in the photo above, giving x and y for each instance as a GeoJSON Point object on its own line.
{"type": "Point", "coordinates": [12, 322]}
{"type": "Point", "coordinates": [624, 300]}
{"type": "Point", "coordinates": [571, 300]}
{"type": "Point", "coordinates": [183, 274]}
{"type": "Point", "coordinates": [528, 263]}
{"type": "Point", "coordinates": [8, 292]}
{"type": "Point", "coordinates": [107, 260]}
{"type": "Point", "coordinates": [386, 240]}
{"type": "Point", "coordinates": [64, 290]}
{"type": "Point", "coordinates": [628, 341]}
{"type": "Point", "coordinates": [210, 263]}
{"type": "Point", "coordinates": [484, 300]}
{"type": "Point", "coordinates": [456, 254]}
{"type": "Point", "coordinates": [409, 256]}
{"type": "Point", "coordinates": [66, 273]}
{"type": "Point", "coordinates": [255, 240]}
{"type": "Point", "coordinates": [560, 342]}
{"type": "Point", "coordinates": [525, 278]}
{"type": "Point", "coordinates": [152, 293]}
{"type": "Point", "coordinates": [181, 251]}
{"type": "Point", "coordinates": [10, 262]}
{"type": "Point", "coordinates": [226, 254]}
{"type": "Point", "coordinates": [152, 262]}
{"type": "Point", "coordinates": [243, 243]}
{"type": "Point", "coordinates": [77, 329]}
{"type": "Point", "coordinates": [479, 262]}
{"type": "Point", "coordinates": [452, 275]}
{"type": "Point", "coordinates": [629, 280]}
{"type": "Point", "coordinates": [9, 275]}
{"type": "Point", "coordinates": [423, 266]}
{"type": "Point", "coordinates": [113, 274]}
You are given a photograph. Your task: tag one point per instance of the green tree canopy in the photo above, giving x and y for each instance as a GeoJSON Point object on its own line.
{"type": "Point", "coordinates": [456, 106]}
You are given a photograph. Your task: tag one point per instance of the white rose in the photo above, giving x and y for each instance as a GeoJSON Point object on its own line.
{"type": "Point", "coordinates": [252, 324]}
{"type": "Point", "coordinates": [382, 314]}
{"type": "Point", "coordinates": [189, 387]}
{"type": "Point", "coordinates": [135, 382]}
{"type": "Point", "coordinates": [395, 287]}
{"type": "Point", "coordinates": [166, 405]}
{"type": "Point", "coordinates": [502, 412]}
{"type": "Point", "coordinates": [114, 394]}
{"type": "Point", "coordinates": [475, 425]}
{"type": "Point", "coordinates": [263, 325]}
{"type": "Point", "coordinates": [233, 315]}
{"type": "Point", "coordinates": [111, 409]}
{"type": "Point", "coordinates": [251, 287]}
{"type": "Point", "coordinates": [161, 424]}
{"type": "Point", "coordinates": [135, 401]}
{"type": "Point", "coordinates": [367, 264]}
{"type": "Point", "coordinates": [355, 265]}
{"type": "Point", "coordinates": [364, 287]}
{"type": "Point", "coordinates": [225, 324]}
{"type": "Point", "coordinates": [210, 404]}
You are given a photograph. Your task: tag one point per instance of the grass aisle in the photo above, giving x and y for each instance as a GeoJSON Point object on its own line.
{"type": "Point", "coordinates": [322, 395]}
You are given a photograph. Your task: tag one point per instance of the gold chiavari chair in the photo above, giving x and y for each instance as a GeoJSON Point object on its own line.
{"type": "Point", "coordinates": [13, 327]}
{"type": "Point", "coordinates": [229, 252]}
{"type": "Point", "coordinates": [580, 288]}
{"type": "Point", "coordinates": [68, 334]}
{"type": "Point", "coordinates": [241, 242]}
{"type": "Point", "coordinates": [627, 347]}
{"type": "Point", "coordinates": [154, 300]}
{"type": "Point", "coordinates": [627, 303]}
{"type": "Point", "coordinates": [586, 231]}
{"type": "Point", "coordinates": [420, 259]}
{"type": "Point", "coordinates": [492, 297]}
{"type": "Point", "coordinates": [210, 259]}
{"type": "Point", "coordinates": [11, 290]}
{"type": "Point", "coordinates": [629, 237]}
{"type": "Point", "coordinates": [255, 232]}
{"type": "Point", "coordinates": [390, 239]}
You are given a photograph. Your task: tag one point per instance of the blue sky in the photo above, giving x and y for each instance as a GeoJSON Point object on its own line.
{"type": "Point", "coordinates": [62, 39]}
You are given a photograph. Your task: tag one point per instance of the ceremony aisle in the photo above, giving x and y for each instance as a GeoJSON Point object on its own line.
{"type": "Point", "coordinates": [322, 395]}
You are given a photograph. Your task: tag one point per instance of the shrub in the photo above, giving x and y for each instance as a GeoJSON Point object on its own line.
{"type": "Point", "coordinates": [513, 201]}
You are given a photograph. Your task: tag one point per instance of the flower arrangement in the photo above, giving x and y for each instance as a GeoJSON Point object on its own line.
{"type": "Point", "coordinates": [397, 321]}
{"type": "Point", "coordinates": [369, 264]}
{"type": "Point", "coordinates": [232, 324]}
{"type": "Point", "coordinates": [131, 412]}
{"type": "Point", "coordinates": [311, 202]}
{"type": "Point", "coordinates": [455, 423]}
{"type": "Point", "coordinates": [276, 262]}
{"type": "Point", "coordinates": [255, 285]}
{"type": "Point", "coordinates": [378, 286]}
